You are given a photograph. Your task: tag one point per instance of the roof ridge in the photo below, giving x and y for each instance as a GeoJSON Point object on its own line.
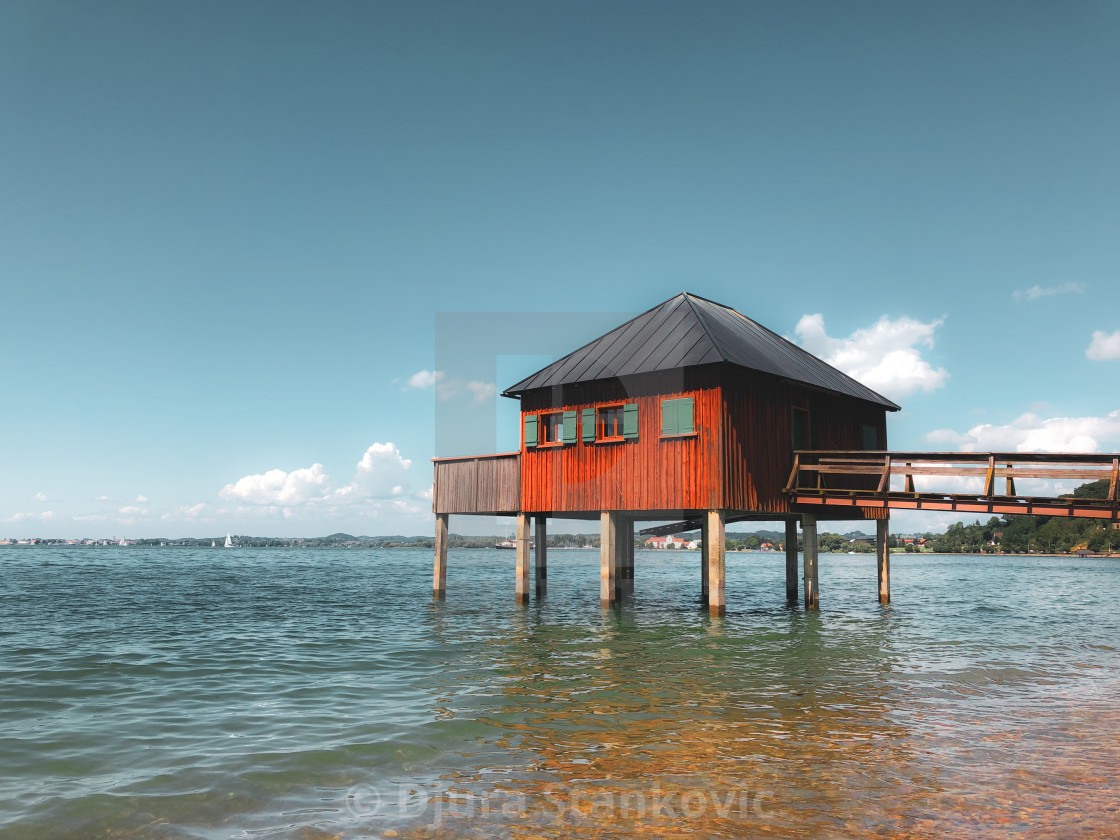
{"type": "Point", "coordinates": [719, 348]}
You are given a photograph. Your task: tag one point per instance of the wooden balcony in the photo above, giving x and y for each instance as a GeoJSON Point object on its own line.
{"type": "Point", "coordinates": [486, 484]}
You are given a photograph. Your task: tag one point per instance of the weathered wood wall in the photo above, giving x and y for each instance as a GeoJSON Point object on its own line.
{"type": "Point", "coordinates": [757, 444]}
{"type": "Point", "coordinates": [483, 484]}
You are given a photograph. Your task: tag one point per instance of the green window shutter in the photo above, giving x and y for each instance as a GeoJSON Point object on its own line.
{"type": "Point", "coordinates": [630, 420]}
{"type": "Point", "coordinates": [589, 425]}
{"type": "Point", "coordinates": [685, 425]}
{"type": "Point", "coordinates": [530, 430]}
{"type": "Point", "coordinates": [669, 417]}
{"type": "Point", "coordinates": [569, 427]}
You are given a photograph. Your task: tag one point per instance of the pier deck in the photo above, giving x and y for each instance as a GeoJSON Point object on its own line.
{"type": "Point", "coordinates": [980, 482]}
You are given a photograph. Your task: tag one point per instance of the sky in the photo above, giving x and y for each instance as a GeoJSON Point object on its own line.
{"type": "Point", "coordinates": [261, 261]}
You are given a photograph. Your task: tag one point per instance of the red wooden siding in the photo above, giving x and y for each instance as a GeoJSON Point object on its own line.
{"type": "Point", "coordinates": [739, 459]}
{"type": "Point", "coordinates": [650, 473]}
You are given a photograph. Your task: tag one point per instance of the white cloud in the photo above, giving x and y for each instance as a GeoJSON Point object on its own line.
{"type": "Point", "coordinates": [482, 391]}
{"type": "Point", "coordinates": [102, 499]}
{"type": "Point", "coordinates": [89, 517]}
{"type": "Point", "coordinates": [1104, 346]}
{"type": "Point", "coordinates": [24, 517]}
{"type": "Point", "coordinates": [423, 379]}
{"type": "Point", "coordinates": [449, 389]}
{"type": "Point", "coordinates": [380, 474]}
{"type": "Point", "coordinates": [185, 512]}
{"type": "Point", "coordinates": [1029, 433]}
{"type": "Point", "coordinates": [1035, 292]}
{"type": "Point", "coordinates": [883, 357]}
{"type": "Point", "coordinates": [142, 500]}
{"type": "Point", "coordinates": [277, 487]}
{"type": "Point", "coordinates": [379, 487]}
{"type": "Point", "coordinates": [40, 496]}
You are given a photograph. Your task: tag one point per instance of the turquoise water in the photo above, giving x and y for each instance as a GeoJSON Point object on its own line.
{"type": "Point", "coordinates": [198, 693]}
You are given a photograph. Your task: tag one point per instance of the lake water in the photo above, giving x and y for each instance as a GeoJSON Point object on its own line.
{"type": "Point", "coordinates": [200, 693]}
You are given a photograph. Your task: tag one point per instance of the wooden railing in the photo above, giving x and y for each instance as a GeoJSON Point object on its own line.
{"type": "Point", "coordinates": [865, 479]}
{"type": "Point", "coordinates": [477, 484]}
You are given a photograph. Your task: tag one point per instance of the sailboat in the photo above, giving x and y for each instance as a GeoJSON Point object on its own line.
{"type": "Point", "coordinates": [213, 544]}
{"type": "Point", "coordinates": [122, 542]}
{"type": "Point", "coordinates": [229, 541]}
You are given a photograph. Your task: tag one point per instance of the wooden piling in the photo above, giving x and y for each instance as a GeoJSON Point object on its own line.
{"type": "Point", "coordinates": [626, 554]}
{"type": "Point", "coordinates": [540, 558]}
{"type": "Point", "coordinates": [608, 558]}
{"type": "Point", "coordinates": [883, 554]}
{"type": "Point", "coordinates": [439, 579]}
{"type": "Point", "coordinates": [791, 559]}
{"type": "Point", "coordinates": [704, 558]}
{"type": "Point", "coordinates": [714, 549]}
{"type": "Point", "coordinates": [522, 543]}
{"type": "Point", "coordinates": [809, 551]}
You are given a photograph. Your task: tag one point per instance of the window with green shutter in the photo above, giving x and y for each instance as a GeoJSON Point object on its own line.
{"type": "Point", "coordinates": [677, 417]}
{"type": "Point", "coordinates": [530, 430]}
{"type": "Point", "coordinates": [870, 437]}
{"type": "Point", "coordinates": [589, 425]}
{"type": "Point", "coordinates": [614, 422]}
{"type": "Point", "coordinates": [630, 421]}
{"type": "Point", "coordinates": [799, 433]}
{"type": "Point", "coordinates": [569, 427]}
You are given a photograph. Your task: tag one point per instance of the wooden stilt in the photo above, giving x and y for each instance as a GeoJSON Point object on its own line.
{"type": "Point", "coordinates": [791, 559]}
{"type": "Point", "coordinates": [608, 559]}
{"type": "Point", "coordinates": [717, 604]}
{"type": "Point", "coordinates": [522, 543]}
{"type": "Point", "coordinates": [809, 551]}
{"type": "Point", "coordinates": [704, 542]}
{"type": "Point", "coordinates": [439, 579]}
{"type": "Point", "coordinates": [883, 553]}
{"type": "Point", "coordinates": [540, 556]}
{"type": "Point", "coordinates": [626, 554]}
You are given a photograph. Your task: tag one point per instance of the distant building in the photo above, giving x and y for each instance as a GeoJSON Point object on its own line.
{"type": "Point", "coordinates": [665, 542]}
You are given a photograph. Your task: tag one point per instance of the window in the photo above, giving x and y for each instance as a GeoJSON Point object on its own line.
{"type": "Point", "coordinates": [552, 428]}
{"type": "Point", "coordinates": [610, 423]}
{"type": "Point", "coordinates": [676, 417]}
{"type": "Point", "coordinates": [799, 431]}
{"type": "Point", "coordinates": [870, 437]}
{"type": "Point", "coordinates": [555, 427]}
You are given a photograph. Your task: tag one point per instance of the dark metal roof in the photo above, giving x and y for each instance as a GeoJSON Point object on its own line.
{"type": "Point", "coordinates": [688, 330]}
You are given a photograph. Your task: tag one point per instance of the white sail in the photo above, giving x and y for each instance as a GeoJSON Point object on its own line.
{"type": "Point", "coordinates": [122, 542]}
{"type": "Point", "coordinates": [213, 544]}
{"type": "Point", "coordinates": [229, 542]}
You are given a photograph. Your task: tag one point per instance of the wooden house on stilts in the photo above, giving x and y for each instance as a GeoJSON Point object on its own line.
{"type": "Point", "coordinates": [689, 412]}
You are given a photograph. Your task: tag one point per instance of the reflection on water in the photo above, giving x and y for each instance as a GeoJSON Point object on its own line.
{"type": "Point", "coordinates": [322, 694]}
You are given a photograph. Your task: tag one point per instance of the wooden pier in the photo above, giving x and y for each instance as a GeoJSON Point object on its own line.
{"type": "Point", "coordinates": [886, 480]}
{"type": "Point", "coordinates": [694, 414]}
